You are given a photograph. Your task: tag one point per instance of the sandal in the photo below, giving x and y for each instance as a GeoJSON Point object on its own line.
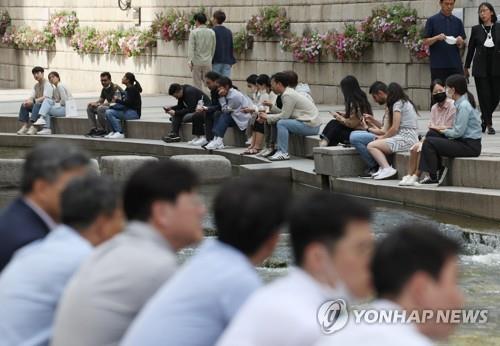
{"type": "Point", "coordinates": [252, 151]}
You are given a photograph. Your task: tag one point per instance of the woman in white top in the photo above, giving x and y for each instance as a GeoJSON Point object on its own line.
{"type": "Point", "coordinates": [55, 106]}
{"type": "Point", "coordinates": [255, 128]}
{"type": "Point", "coordinates": [401, 135]}
{"type": "Point", "coordinates": [232, 102]}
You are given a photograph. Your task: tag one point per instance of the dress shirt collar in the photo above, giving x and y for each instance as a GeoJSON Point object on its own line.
{"type": "Point", "coordinates": [49, 221]}
{"type": "Point", "coordinates": [146, 231]}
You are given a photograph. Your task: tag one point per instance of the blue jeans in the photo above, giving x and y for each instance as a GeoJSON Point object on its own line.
{"type": "Point", "coordinates": [50, 109]}
{"type": "Point", "coordinates": [24, 113]}
{"type": "Point", "coordinates": [222, 69]}
{"type": "Point", "coordinates": [360, 141]}
{"type": "Point", "coordinates": [223, 121]}
{"type": "Point", "coordinates": [114, 118]}
{"type": "Point", "coordinates": [287, 126]}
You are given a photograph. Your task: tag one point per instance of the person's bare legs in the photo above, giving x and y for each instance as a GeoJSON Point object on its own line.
{"type": "Point", "coordinates": [379, 150]}
{"type": "Point", "coordinates": [259, 140]}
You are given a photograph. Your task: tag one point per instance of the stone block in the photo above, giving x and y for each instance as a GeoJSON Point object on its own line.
{"type": "Point", "coordinates": [210, 168]}
{"type": "Point", "coordinates": [11, 172]}
{"type": "Point", "coordinates": [121, 167]}
{"type": "Point", "coordinates": [338, 162]}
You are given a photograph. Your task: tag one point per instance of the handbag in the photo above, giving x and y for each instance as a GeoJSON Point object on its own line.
{"type": "Point", "coordinates": [71, 108]}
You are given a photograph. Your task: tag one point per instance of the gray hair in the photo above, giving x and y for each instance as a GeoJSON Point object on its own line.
{"type": "Point", "coordinates": [48, 160]}
{"type": "Point", "coordinates": [87, 197]}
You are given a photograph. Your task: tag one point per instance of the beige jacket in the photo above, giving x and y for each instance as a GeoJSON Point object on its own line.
{"type": "Point", "coordinates": [296, 106]}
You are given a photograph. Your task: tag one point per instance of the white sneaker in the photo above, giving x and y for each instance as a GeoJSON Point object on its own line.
{"type": "Point", "coordinates": [377, 172]}
{"type": "Point", "coordinates": [45, 132]}
{"type": "Point", "coordinates": [109, 135]}
{"type": "Point", "coordinates": [280, 156]}
{"type": "Point", "coordinates": [386, 173]}
{"type": "Point", "coordinates": [117, 135]}
{"type": "Point", "coordinates": [265, 152]}
{"type": "Point", "coordinates": [201, 141]}
{"type": "Point", "coordinates": [249, 141]}
{"type": "Point", "coordinates": [40, 122]}
{"type": "Point", "coordinates": [215, 144]}
{"type": "Point", "coordinates": [23, 130]}
{"type": "Point", "coordinates": [404, 181]}
{"type": "Point", "coordinates": [412, 180]}
{"type": "Point", "coordinates": [195, 138]}
{"type": "Point", "coordinates": [32, 131]}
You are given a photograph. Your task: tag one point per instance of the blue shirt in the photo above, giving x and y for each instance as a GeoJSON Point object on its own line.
{"type": "Point", "coordinates": [196, 305]}
{"type": "Point", "coordinates": [444, 55]}
{"type": "Point", "coordinates": [223, 46]}
{"type": "Point", "coordinates": [33, 282]}
{"type": "Point", "coordinates": [467, 122]}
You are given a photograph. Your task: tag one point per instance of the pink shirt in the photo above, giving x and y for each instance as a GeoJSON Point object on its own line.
{"type": "Point", "coordinates": [443, 115]}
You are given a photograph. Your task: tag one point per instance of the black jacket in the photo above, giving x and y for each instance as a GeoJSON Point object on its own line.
{"type": "Point", "coordinates": [478, 52]}
{"type": "Point", "coordinates": [189, 100]}
{"type": "Point", "coordinates": [19, 226]}
{"type": "Point", "coordinates": [214, 104]}
{"type": "Point", "coordinates": [132, 99]}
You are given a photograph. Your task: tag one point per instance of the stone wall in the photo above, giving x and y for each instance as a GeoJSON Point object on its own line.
{"type": "Point", "coordinates": [167, 63]}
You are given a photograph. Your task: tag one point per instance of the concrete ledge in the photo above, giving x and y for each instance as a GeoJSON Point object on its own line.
{"type": "Point", "coordinates": [338, 161]}
{"type": "Point", "coordinates": [466, 201]}
{"type": "Point", "coordinates": [121, 167]}
{"type": "Point", "coordinates": [11, 172]}
{"type": "Point", "coordinates": [210, 168]}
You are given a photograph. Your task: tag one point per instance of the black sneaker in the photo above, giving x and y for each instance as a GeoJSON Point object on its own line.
{"type": "Point", "coordinates": [442, 175]}
{"type": "Point", "coordinates": [428, 181]}
{"type": "Point", "coordinates": [100, 133]}
{"type": "Point", "coordinates": [491, 131]}
{"type": "Point", "coordinates": [91, 133]}
{"type": "Point", "coordinates": [171, 138]}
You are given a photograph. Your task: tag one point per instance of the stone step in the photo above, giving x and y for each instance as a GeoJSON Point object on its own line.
{"type": "Point", "coordinates": [464, 200]}
{"type": "Point", "coordinates": [155, 129]}
{"type": "Point", "coordinates": [477, 172]}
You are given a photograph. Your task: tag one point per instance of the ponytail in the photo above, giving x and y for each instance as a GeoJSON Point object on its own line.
{"type": "Point", "coordinates": [459, 83]}
{"type": "Point", "coordinates": [131, 77]}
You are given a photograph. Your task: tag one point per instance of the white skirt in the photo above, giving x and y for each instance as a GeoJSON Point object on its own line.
{"type": "Point", "coordinates": [403, 141]}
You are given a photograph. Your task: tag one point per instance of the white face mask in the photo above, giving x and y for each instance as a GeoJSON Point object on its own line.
{"type": "Point", "coordinates": [489, 39]}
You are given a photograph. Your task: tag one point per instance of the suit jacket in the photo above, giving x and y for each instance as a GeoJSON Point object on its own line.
{"type": "Point", "coordinates": [189, 100]}
{"type": "Point", "coordinates": [19, 225]}
{"type": "Point", "coordinates": [478, 51]}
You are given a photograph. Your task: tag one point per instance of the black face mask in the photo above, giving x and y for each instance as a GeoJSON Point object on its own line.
{"type": "Point", "coordinates": [440, 97]}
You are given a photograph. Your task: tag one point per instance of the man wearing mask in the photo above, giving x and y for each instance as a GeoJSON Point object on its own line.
{"type": "Point", "coordinates": [332, 243]}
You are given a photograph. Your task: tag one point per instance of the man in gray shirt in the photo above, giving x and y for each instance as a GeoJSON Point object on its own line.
{"type": "Point", "coordinates": [201, 50]}
{"type": "Point", "coordinates": [165, 214]}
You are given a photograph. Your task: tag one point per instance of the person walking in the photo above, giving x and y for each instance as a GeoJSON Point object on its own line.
{"type": "Point", "coordinates": [483, 52]}
{"type": "Point", "coordinates": [201, 50]}
{"type": "Point", "coordinates": [224, 53]}
{"type": "Point", "coordinates": [445, 35]}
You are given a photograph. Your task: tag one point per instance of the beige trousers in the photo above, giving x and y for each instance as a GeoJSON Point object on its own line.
{"type": "Point", "coordinates": [199, 72]}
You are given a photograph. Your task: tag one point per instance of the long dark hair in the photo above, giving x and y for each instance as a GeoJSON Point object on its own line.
{"type": "Point", "coordinates": [396, 93]}
{"type": "Point", "coordinates": [459, 83]}
{"type": "Point", "coordinates": [492, 9]}
{"type": "Point", "coordinates": [131, 77]}
{"type": "Point", "coordinates": [435, 82]}
{"type": "Point", "coordinates": [355, 99]}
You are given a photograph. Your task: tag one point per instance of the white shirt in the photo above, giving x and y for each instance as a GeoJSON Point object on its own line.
{"type": "Point", "coordinates": [380, 334]}
{"type": "Point", "coordinates": [282, 313]}
{"type": "Point", "coordinates": [234, 102]}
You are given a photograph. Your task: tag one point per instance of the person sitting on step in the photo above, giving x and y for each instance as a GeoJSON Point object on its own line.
{"type": "Point", "coordinates": [356, 104]}
{"type": "Point", "coordinates": [462, 140]}
{"type": "Point", "coordinates": [53, 107]}
{"type": "Point", "coordinates": [401, 135]}
{"type": "Point", "coordinates": [255, 130]}
{"type": "Point", "coordinates": [188, 99]}
{"type": "Point", "coordinates": [127, 109]}
{"type": "Point", "coordinates": [232, 103]}
{"type": "Point", "coordinates": [42, 90]}
{"type": "Point", "coordinates": [299, 115]}
{"type": "Point", "coordinates": [442, 116]}
{"type": "Point", "coordinates": [96, 111]}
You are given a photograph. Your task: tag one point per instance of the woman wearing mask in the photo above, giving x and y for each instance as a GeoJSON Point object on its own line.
{"type": "Point", "coordinates": [442, 116]}
{"type": "Point", "coordinates": [128, 108]}
{"type": "Point", "coordinates": [53, 107]}
{"type": "Point", "coordinates": [462, 140]}
{"type": "Point", "coordinates": [484, 52]}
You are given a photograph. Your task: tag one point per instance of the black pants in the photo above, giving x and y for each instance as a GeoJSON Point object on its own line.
{"type": "Point", "coordinates": [203, 124]}
{"type": "Point", "coordinates": [434, 148]}
{"type": "Point", "coordinates": [177, 121]}
{"type": "Point", "coordinates": [488, 93]}
{"type": "Point", "coordinates": [335, 133]}
{"type": "Point", "coordinates": [444, 73]}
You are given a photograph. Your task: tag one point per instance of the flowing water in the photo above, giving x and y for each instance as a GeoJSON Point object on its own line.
{"type": "Point", "coordinates": [480, 260]}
